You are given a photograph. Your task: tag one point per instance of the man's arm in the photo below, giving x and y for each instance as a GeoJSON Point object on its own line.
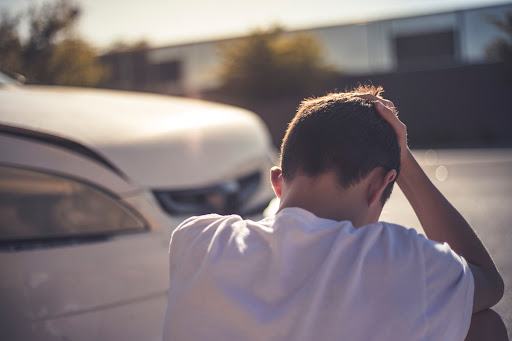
{"type": "Point", "coordinates": [443, 223]}
{"type": "Point", "coordinates": [440, 220]}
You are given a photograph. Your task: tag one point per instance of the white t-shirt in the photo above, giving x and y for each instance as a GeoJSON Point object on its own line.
{"type": "Point", "coordinates": [297, 277]}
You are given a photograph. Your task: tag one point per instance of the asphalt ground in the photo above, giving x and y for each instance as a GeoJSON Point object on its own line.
{"type": "Point", "coordinates": [478, 182]}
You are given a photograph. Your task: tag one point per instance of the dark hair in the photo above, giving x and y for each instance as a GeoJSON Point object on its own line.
{"type": "Point", "coordinates": [340, 132]}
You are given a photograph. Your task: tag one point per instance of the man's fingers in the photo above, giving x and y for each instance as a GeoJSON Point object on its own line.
{"type": "Point", "coordinates": [373, 98]}
{"type": "Point", "coordinates": [367, 97]}
{"type": "Point", "coordinates": [387, 104]}
{"type": "Point", "coordinates": [386, 112]}
{"type": "Point", "coordinates": [385, 107]}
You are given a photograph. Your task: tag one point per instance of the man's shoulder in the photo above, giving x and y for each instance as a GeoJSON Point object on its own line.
{"type": "Point", "coordinates": [205, 223]}
{"type": "Point", "coordinates": [433, 253]}
{"type": "Point", "coordinates": [400, 238]}
{"type": "Point", "coordinates": [200, 220]}
{"type": "Point", "coordinates": [390, 230]}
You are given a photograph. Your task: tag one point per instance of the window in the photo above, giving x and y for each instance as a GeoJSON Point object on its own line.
{"type": "Point", "coordinates": [36, 206]}
{"type": "Point", "coordinates": [166, 71]}
{"type": "Point", "coordinates": [418, 50]}
{"type": "Point", "coordinates": [479, 33]}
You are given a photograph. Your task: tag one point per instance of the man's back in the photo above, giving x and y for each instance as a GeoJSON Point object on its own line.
{"type": "Point", "coordinates": [296, 276]}
{"type": "Point", "coordinates": [323, 268]}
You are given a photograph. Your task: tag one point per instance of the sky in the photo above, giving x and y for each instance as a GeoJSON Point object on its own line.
{"type": "Point", "coordinates": [171, 22]}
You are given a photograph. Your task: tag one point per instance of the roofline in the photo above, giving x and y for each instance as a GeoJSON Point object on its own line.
{"type": "Point", "coordinates": [412, 16]}
{"type": "Point", "coordinates": [299, 30]}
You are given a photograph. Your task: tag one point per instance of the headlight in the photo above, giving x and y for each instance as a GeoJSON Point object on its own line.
{"type": "Point", "coordinates": [39, 206]}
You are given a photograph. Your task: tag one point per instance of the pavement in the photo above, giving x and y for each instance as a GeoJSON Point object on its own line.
{"type": "Point", "coordinates": [478, 182]}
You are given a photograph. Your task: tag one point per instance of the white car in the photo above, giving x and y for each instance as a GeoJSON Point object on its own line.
{"type": "Point", "coordinates": [92, 182]}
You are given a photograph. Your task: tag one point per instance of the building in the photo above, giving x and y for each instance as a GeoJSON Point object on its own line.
{"type": "Point", "coordinates": [433, 41]}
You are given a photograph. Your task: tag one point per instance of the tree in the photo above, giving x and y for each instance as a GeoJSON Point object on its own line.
{"type": "Point", "coordinates": [46, 24]}
{"type": "Point", "coordinates": [10, 44]}
{"type": "Point", "coordinates": [73, 62]}
{"type": "Point", "coordinates": [501, 48]}
{"type": "Point", "coordinates": [272, 64]}
{"type": "Point", "coordinates": [124, 46]}
{"type": "Point", "coordinates": [51, 54]}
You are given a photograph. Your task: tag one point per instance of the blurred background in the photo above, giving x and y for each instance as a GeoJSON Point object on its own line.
{"type": "Point", "coordinates": [447, 66]}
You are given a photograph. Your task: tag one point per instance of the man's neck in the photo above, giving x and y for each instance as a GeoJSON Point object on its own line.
{"type": "Point", "coordinates": [326, 198]}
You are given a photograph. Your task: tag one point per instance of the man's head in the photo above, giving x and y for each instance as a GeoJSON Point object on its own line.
{"type": "Point", "coordinates": [343, 133]}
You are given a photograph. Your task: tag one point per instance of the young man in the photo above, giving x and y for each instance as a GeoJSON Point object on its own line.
{"type": "Point", "coordinates": [323, 268]}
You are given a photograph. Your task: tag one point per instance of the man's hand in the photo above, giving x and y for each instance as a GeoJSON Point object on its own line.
{"type": "Point", "coordinates": [439, 219]}
{"type": "Point", "coordinates": [388, 111]}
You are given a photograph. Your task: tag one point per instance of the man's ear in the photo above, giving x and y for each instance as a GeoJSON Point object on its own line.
{"type": "Point", "coordinates": [379, 179]}
{"type": "Point", "coordinates": [276, 179]}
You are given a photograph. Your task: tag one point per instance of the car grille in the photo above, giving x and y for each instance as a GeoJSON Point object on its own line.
{"type": "Point", "coordinates": [229, 197]}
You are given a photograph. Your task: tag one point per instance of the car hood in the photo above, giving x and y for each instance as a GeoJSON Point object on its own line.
{"type": "Point", "coordinates": [156, 140]}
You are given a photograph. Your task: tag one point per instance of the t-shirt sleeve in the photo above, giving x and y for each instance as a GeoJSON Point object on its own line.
{"type": "Point", "coordinates": [449, 292]}
{"type": "Point", "coordinates": [176, 250]}
{"type": "Point", "coordinates": [184, 253]}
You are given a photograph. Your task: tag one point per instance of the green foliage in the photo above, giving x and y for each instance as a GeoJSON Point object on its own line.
{"type": "Point", "coordinates": [10, 44]}
{"type": "Point", "coordinates": [73, 62]}
{"type": "Point", "coordinates": [271, 64]}
{"type": "Point", "coordinates": [51, 54]}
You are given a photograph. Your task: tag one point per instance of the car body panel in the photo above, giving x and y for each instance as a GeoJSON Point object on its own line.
{"type": "Point", "coordinates": [23, 152]}
{"type": "Point", "coordinates": [128, 146]}
{"type": "Point", "coordinates": [176, 137]}
{"type": "Point", "coordinates": [40, 286]}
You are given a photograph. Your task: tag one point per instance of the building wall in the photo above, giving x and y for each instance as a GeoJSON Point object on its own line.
{"type": "Point", "coordinates": [346, 47]}
{"type": "Point", "coordinates": [478, 32]}
{"type": "Point", "coordinates": [418, 43]}
{"type": "Point", "coordinates": [199, 64]}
